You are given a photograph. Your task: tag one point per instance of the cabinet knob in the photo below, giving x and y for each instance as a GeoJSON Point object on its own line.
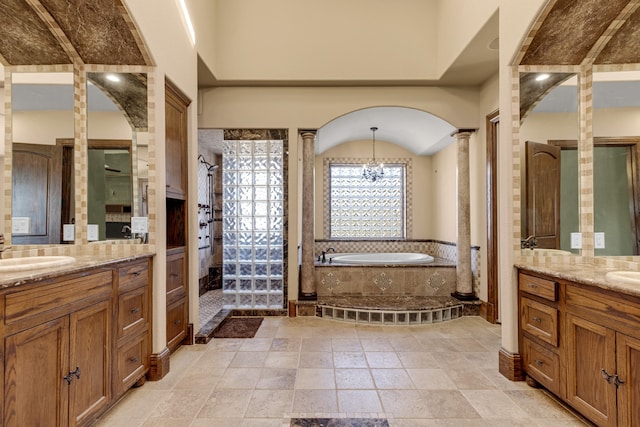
{"type": "Point", "coordinates": [617, 381]}
{"type": "Point", "coordinates": [532, 285]}
{"type": "Point", "coordinates": [606, 376]}
{"type": "Point", "coordinates": [537, 319]}
{"type": "Point", "coordinates": [133, 360]}
{"type": "Point", "coordinates": [134, 310]}
{"type": "Point", "coordinates": [539, 363]}
{"type": "Point", "coordinates": [177, 322]}
{"type": "Point", "coordinates": [136, 273]}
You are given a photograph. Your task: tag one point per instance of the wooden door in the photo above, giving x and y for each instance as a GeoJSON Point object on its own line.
{"type": "Point", "coordinates": [542, 188]}
{"type": "Point", "coordinates": [176, 121]}
{"type": "Point", "coordinates": [628, 363]}
{"type": "Point", "coordinates": [36, 361]}
{"type": "Point", "coordinates": [36, 192]}
{"type": "Point", "coordinates": [591, 350]}
{"type": "Point", "coordinates": [90, 346]}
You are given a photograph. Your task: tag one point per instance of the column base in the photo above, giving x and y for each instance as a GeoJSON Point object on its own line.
{"type": "Point", "coordinates": [464, 296]}
{"type": "Point", "coordinates": [308, 296]}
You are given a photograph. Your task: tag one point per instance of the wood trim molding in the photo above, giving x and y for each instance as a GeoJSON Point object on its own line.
{"type": "Point", "coordinates": [492, 123]}
{"type": "Point", "coordinates": [159, 365]}
{"type": "Point", "coordinates": [510, 365]}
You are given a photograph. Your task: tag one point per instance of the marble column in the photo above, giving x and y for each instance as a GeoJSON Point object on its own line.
{"type": "Point", "coordinates": [464, 282]}
{"type": "Point", "coordinates": [307, 285]}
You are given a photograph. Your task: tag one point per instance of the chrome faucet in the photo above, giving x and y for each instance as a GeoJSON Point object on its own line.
{"type": "Point", "coordinates": [529, 243]}
{"type": "Point", "coordinates": [324, 259]}
{"type": "Point", "coordinates": [3, 248]}
{"type": "Point", "coordinates": [126, 229]}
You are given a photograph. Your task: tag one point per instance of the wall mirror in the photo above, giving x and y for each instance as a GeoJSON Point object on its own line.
{"type": "Point", "coordinates": [42, 118]}
{"type": "Point", "coordinates": [549, 173]}
{"type": "Point", "coordinates": [117, 152]}
{"type": "Point", "coordinates": [616, 131]}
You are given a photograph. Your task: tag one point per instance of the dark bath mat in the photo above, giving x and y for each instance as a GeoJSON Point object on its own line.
{"type": "Point", "coordinates": [238, 327]}
{"type": "Point", "coordinates": [339, 422]}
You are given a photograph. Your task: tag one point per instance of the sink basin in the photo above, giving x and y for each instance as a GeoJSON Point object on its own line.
{"type": "Point", "coordinates": [30, 263]}
{"type": "Point", "coordinates": [544, 252]}
{"type": "Point", "coordinates": [629, 277]}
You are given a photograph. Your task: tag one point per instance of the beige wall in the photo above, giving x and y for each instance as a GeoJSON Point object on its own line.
{"type": "Point", "coordinates": [262, 30]}
{"type": "Point", "coordinates": [422, 209]}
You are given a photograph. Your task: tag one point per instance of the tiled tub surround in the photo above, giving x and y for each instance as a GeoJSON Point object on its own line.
{"type": "Point", "coordinates": [443, 252]}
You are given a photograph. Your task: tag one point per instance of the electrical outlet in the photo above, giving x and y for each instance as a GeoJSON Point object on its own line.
{"type": "Point", "coordinates": [68, 232]}
{"type": "Point", "coordinates": [576, 240]}
{"type": "Point", "coordinates": [598, 240]}
{"type": "Point", "coordinates": [139, 225]}
{"type": "Point", "coordinates": [92, 232]}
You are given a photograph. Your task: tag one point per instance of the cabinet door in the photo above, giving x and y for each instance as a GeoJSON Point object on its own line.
{"type": "Point", "coordinates": [176, 119]}
{"type": "Point", "coordinates": [36, 360]}
{"type": "Point", "coordinates": [628, 355]}
{"type": "Point", "coordinates": [176, 324]}
{"type": "Point", "coordinates": [90, 347]}
{"type": "Point", "coordinates": [590, 351]}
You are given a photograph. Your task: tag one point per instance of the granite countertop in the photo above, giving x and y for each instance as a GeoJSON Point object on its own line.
{"type": "Point", "coordinates": [584, 272]}
{"type": "Point", "coordinates": [82, 262]}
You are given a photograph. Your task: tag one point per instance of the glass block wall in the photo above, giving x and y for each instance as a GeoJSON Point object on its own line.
{"type": "Point", "coordinates": [253, 224]}
{"type": "Point", "coordinates": [363, 209]}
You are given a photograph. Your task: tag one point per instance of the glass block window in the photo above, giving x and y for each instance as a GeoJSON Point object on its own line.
{"type": "Point", "coordinates": [367, 210]}
{"type": "Point", "coordinates": [253, 217]}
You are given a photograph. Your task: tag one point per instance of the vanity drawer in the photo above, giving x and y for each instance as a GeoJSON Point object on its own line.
{"type": "Point", "coordinates": [133, 311]}
{"type": "Point", "coordinates": [542, 364]}
{"type": "Point", "coordinates": [133, 275]}
{"type": "Point", "coordinates": [547, 289]}
{"type": "Point", "coordinates": [539, 320]}
{"type": "Point", "coordinates": [42, 303]}
{"type": "Point", "coordinates": [132, 362]}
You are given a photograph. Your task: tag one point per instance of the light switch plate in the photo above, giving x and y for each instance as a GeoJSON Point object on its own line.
{"type": "Point", "coordinates": [68, 232]}
{"type": "Point", "coordinates": [20, 225]}
{"type": "Point", "coordinates": [92, 232]}
{"type": "Point", "coordinates": [598, 238]}
{"type": "Point", "coordinates": [139, 224]}
{"type": "Point", "coordinates": [576, 240]}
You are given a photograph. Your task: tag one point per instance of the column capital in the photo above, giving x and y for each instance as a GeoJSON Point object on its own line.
{"type": "Point", "coordinates": [308, 133]}
{"type": "Point", "coordinates": [463, 132]}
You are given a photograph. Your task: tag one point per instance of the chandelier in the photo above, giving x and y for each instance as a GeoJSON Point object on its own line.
{"type": "Point", "coordinates": [373, 171]}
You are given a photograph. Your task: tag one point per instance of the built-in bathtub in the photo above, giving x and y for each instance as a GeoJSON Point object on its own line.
{"type": "Point", "coordinates": [387, 287]}
{"type": "Point", "coordinates": [374, 258]}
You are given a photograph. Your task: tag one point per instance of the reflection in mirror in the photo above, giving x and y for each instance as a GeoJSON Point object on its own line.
{"type": "Point", "coordinates": [42, 110]}
{"type": "Point", "coordinates": [118, 170]}
{"type": "Point", "coordinates": [616, 130]}
{"type": "Point", "coordinates": [549, 173]}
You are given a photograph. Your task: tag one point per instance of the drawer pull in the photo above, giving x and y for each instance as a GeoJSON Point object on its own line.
{"type": "Point", "coordinates": [174, 274]}
{"type": "Point", "coordinates": [136, 273]}
{"type": "Point", "coordinates": [134, 310]}
{"type": "Point", "coordinates": [177, 322]}
{"type": "Point", "coordinates": [606, 376]}
{"type": "Point", "coordinates": [539, 363]}
{"type": "Point", "coordinates": [537, 319]}
{"type": "Point", "coordinates": [133, 360]}
{"type": "Point", "coordinates": [532, 285]}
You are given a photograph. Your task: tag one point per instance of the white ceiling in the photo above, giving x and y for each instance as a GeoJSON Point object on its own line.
{"type": "Point", "coordinates": [419, 132]}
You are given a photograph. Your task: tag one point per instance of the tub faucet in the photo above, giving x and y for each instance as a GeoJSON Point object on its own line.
{"type": "Point", "coordinates": [126, 230]}
{"type": "Point", "coordinates": [324, 259]}
{"type": "Point", "coordinates": [530, 242]}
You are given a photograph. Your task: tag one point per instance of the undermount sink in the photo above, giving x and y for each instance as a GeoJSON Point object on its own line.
{"type": "Point", "coordinates": [628, 277]}
{"type": "Point", "coordinates": [544, 252]}
{"type": "Point", "coordinates": [29, 263]}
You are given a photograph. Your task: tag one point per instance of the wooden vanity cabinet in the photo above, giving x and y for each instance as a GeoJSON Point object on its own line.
{"type": "Point", "coordinates": [57, 351]}
{"type": "Point", "coordinates": [595, 367]}
{"type": "Point", "coordinates": [62, 342]}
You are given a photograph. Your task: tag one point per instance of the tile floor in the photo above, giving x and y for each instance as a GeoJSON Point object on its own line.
{"type": "Point", "coordinates": [210, 303]}
{"type": "Point", "coordinates": [441, 374]}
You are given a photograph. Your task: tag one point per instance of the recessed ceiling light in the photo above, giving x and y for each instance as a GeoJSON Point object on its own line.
{"type": "Point", "coordinates": [542, 77]}
{"type": "Point", "coordinates": [113, 78]}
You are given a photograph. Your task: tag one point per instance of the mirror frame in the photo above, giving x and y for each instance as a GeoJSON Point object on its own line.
{"type": "Point", "coordinates": [80, 149]}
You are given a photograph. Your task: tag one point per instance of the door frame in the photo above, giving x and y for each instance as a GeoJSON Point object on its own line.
{"type": "Point", "coordinates": [493, 293]}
